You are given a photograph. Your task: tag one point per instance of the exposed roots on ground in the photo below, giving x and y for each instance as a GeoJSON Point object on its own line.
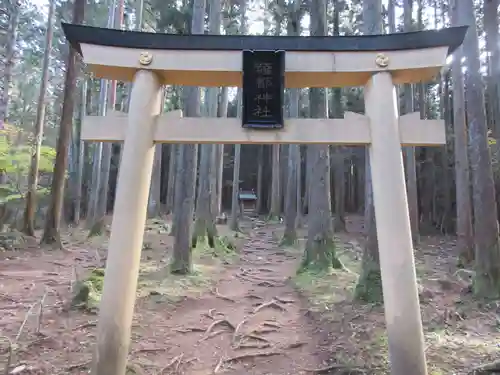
{"type": "Point", "coordinates": [212, 314]}
{"type": "Point", "coordinates": [242, 345]}
{"type": "Point", "coordinates": [271, 304]}
{"type": "Point", "coordinates": [148, 350]}
{"type": "Point", "coordinates": [252, 296]}
{"type": "Point", "coordinates": [223, 322]}
{"type": "Point", "coordinates": [237, 330]}
{"type": "Point", "coordinates": [174, 364]}
{"type": "Point", "coordinates": [86, 325]}
{"type": "Point", "coordinates": [78, 366]}
{"type": "Point", "coordinates": [284, 300]}
{"type": "Point", "coordinates": [340, 369]}
{"type": "Point", "coordinates": [242, 357]}
{"type": "Point", "coordinates": [486, 369]}
{"type": "Point", "coordinates": [216, 293]}
{"type": "Point", "coordinates": [269, 283]}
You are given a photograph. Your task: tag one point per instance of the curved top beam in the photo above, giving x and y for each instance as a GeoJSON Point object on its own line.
{"type": "Point", "coordinates": [450, 37]}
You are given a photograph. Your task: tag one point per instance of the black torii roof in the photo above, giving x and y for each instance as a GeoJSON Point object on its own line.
{"type": "Point", "coordinates": [451, 37]}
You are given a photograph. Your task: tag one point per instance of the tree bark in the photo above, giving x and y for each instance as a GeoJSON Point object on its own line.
{"type": "Point", "coordinates": [204, 227]}
{"type": "Point", "coordinates": [487, 254]}
{"type": "Point", "coordinates": [319, 254]}
{"type": "Point", "coordinates": [185, 188]}
{"type": "Point", "coordinates": [172, 165]}
{"type": "Point", "coordinates": [81, 156]}
{"type": "Point", "coordinates": [51, 233]}
{"type": "Point", "coordinates": [275, 184]}
{"type": "Point", "coordinates": [369, 286]}
{"type": "Point", "coordinates": [30, 208]}
{"type": "Point", "coordinates": [10, 49]}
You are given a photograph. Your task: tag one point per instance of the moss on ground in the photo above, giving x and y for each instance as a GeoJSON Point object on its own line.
{"type": "Point", "coordinates": [320, 256]}
{"type": "Point", "coordinates": [289, 239]}
{"type": "Point", "coordinates": [87, 293]}
{"type": "Point", "coordinates": [369, 286]}
{"type": "Point", "coordinates": [223, 248]}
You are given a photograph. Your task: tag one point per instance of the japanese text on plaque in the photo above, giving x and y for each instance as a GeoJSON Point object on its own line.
{"type": "Point", "coordinates": [264, 96]}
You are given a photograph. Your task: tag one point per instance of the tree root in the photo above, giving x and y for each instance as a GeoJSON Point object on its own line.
{"type": "Point", "coordinates": [188, 330]}
{"type": "Point", "coordinates": [213, 334]}
{"type": "Point", "coordinates": [215, 292]}
{"type": "Point", "coordinates": [242, 357]}
{"type": "Point", "coordinates": [255, 337]}
{"type": "Point", "coordinates": [212, 313]}
{"type": "Point", "coordinates": [219, 365]}
{"type": "Point", "coordinates": [213, 325]}
{"type": "Point", "coordinates": [263, 331]}
{"type": "Point", "coordinates": [271, 324]}
{"type": "Point", "coordinates": [86, 325]}
{"type": "Point", "coordinates": [295, 345]}
{"type": "Point", "coordinates": [329, 368]}
{"type": "Point", "coordinates": [268, 284]}
{"type": "Point", "coordinates": [243, 346]}
{"type": "Point", "coordinates": [78, 366]}
{"type": "Point", "coordinates": [176, 361]}
{"type": "Point", "coordinates": [284, 300]}
{"type": "Point", "coordinates": [237, 330]}
{"type": "Point", "coordinates": [148, 350]}
{"type": "Point", "coordinates": [488, 368]}
{"type": "Point", "coordinates": [252, 296]}
{"type": "Point", "coordinates": [271, 304]}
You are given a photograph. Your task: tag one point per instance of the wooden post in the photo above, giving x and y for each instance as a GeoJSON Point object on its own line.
{"type": "Point", "coordinates": [399, 280]}
{"type": "Point", "coordinates": [127, 229]}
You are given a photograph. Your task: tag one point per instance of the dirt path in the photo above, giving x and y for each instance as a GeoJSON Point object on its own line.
{"type": "Point", "coordinates": [252, 323]}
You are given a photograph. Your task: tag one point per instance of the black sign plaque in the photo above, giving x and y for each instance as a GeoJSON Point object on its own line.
{"type": "Point", "coordinates": [263, 89]}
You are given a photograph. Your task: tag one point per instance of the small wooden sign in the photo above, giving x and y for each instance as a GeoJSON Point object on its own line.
{"type": "Point", "coordinates": [263, 89]}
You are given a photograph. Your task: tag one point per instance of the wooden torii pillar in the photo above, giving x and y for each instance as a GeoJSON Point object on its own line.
{"type": "Point", "coordinates": [376, 62]}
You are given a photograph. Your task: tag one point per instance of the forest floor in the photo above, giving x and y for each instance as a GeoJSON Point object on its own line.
{"type": "Point", "coordinates": [245, 312]}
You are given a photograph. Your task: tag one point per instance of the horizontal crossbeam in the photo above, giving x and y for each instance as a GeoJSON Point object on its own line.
{"type": "Point", "coordinates": [209, 60]}
{"type": "Point", "coordinates": [353, 129]}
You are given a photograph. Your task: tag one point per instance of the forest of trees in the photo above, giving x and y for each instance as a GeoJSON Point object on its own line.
{"type": "Point", "coordinates": [51, 180]}
{"type": "Point", "coordinates": [45, 93]}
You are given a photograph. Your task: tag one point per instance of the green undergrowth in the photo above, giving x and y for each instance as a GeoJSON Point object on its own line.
{"type": "Point", "coordinates": [289, 240]}
{"type": "Point", "coordinates": [224, 248]}
{"type": "Point", "coordinates": [158, 284]}
{"type": "Point", "coordinates": [320, 256]}
{"type": "Point", "coordinates": [88, 291]}
{"type": "Point", "coordinates": [369, 286]}
{"type": "Point", "coordinates": [272, 219]}
{"type": "Point", "coordinates": [323, 287]}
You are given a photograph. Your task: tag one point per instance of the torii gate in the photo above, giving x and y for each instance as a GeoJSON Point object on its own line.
{"type": "Point", "coordinates": [377, 62]}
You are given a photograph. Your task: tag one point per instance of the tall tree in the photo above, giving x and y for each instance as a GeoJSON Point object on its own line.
{"type": "Point", "coordinates": [51, 233]}
{"type": "Point", "coordinates": [490, 11]}
{"type": "Point", "coordinates": [487, 254]}
{"type": "Point", "coordinates": [463, 197]}
{"type": "Point", "coordinates": [13, 14]}
{"type": "Point", "coordinates": [186, 177]}
{"type": "Point", "coordinates": [81, 153]}
{"type": "Point", "coordinates": [319, 253]}
{"type": "Point", "coordinates": [291, 201]}
{"type": "Point", "coordinates": [369, 286]}
{"type": "Point", "coordinates": [29, 213]}
{"type": "Point", "coordinates": [338, 152]}
{"type": "Point", "coordinates": [233, 221]}
{"type": "Point", "coordinates": [204, 227]}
